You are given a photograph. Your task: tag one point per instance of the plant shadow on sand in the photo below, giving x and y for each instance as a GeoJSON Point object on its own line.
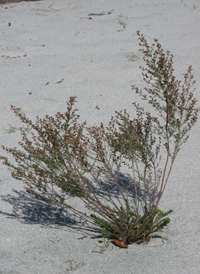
{"type": "Point", "coordinates": [29, 210]}
{"type": "Point", "coordinates": [134, 190]}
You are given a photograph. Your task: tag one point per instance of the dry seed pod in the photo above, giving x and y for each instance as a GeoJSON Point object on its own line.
{"type": "Point", "coordinates": [120, 243]}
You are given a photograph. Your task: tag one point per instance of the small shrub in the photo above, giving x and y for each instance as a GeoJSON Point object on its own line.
{"type": "Point", "coordinates": [119, 172]}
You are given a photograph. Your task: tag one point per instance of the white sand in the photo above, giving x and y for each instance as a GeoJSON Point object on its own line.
{"type": "Point", "coordinates": [42, 43]}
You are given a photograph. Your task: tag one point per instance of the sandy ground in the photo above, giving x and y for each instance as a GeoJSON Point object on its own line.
{"type": "Point", "coordinates": [51, 50]}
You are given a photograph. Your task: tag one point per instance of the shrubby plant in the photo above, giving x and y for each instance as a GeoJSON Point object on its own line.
{"type": "Point", "coordinates": [118, 172]}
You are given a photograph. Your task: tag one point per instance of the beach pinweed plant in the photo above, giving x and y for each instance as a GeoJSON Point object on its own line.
{"type": "Point", "coordinates": [120, 171]}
